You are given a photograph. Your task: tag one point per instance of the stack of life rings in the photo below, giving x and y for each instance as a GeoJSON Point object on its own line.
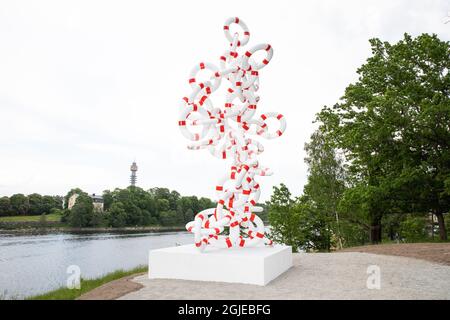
{"type": "Point", "coordinates": [228, 133]}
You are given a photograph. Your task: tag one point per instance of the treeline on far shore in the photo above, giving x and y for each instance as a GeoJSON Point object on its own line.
{"type": "Point", "coordinates": [30, 205]}
{"type": "Point", "coordinates": [133, 206]}
{"type": "Point", "coordinates": [122, 208]}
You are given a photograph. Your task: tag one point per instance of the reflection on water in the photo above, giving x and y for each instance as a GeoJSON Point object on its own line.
{"type": "Point", "coordinates": [33, 264]}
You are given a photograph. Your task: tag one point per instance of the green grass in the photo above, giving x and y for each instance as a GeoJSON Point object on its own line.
{"type": "Point", "coordinates": [86, 285]}
{"type": "Point", "coordinates": [53, 217]}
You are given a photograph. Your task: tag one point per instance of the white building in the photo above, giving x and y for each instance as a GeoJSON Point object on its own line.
{"type": "Point", "coordinates": [97, 201]}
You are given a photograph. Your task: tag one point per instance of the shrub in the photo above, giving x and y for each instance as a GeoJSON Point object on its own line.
{"type": "Point", "coordinates": [413, 228]}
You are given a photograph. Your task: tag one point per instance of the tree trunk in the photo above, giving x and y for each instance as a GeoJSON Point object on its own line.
{"type": "Point", "coordinates": [432, 226]}
{"type": "Point", "coordinates": [375, 233]}
{"type": "Point", "coordinates": [391, 233]}
{"type": "Point", "coordinates": [338, 230]}
{"type": "Point", "coordinates": [441, 222]}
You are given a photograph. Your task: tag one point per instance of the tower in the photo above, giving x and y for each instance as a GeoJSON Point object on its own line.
{"type": "Point", "coordinates": [133, 176]}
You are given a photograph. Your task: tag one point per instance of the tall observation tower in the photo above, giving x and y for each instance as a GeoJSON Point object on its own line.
{"type": "Point", "coordinates": [133, 176]}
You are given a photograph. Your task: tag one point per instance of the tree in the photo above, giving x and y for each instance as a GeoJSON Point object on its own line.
{"type": "Point", "coordinates": [413, 228]}
{"type": "Point", "coordinates": [188, 215]}
{"type": "Point", "coordinates": [5, 206]}
{"type": "Point", "coordinates": [284, 220]}
{"type": "Point", "coordinates": [98, 219]}
{"type": "Point", "coordinates": [19, 204]}
{"type": "Point", "coordinates": [36, 204]}
{"type": "Point", "coordinates": [70, 193]}
{"type": "Point", "coordinates": [205, 203]}
{"type": "Point", "coordinates": [117, 215]}
{"type": "Point", "coordinates": [108, 199]}
{"type": "Point", "coordinates": [394, 126]}
{"type": "Point", "coordinates": [297, 222]}
{"type": "Point", "coordinates": [81, 213]}
{"type": "Point", "coordinates": [326, 181]}
{"type": "Point", "coordinates": [155, 206]}
{"type": "Point", "coordinates": [170, 218]}
{"type": "Point", "coordinates": [51, 202]}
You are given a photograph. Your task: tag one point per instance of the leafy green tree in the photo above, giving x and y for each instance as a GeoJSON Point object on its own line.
{"type": "Point", "coordinates": [188, 206]}
{"type": "Point", "coordinates": [394, 126]}
{"type": "Point", "coordinates": [36, 204]}
{"type": "Point", "coordinates": [297, 222]}
{"type": "Point", "coordinates": [81, 213]}
{"type": "Point", "coordinates": [5, 206]}
{"type": "Point", "coordinates": [65, 216]}
{"type": "Point", "coordinates": [170, 218]}
{"type": "Point", "coordinates": [357, 208]}
{"type": "Point", "coordinates": [50, 202]}
{"type": "Point", "coordinates": [162, 205]}
{"type": "Point", "coordinates": [57, 211]}
{"type": "Point", "coordinates": [71, 193]}
{"type": "Point", "coordinates": [173, 199]}
{"type": "Point", "coordinates": [98, 219]}
{"type": "Point", "coordinates": [117, 215]}
{"type": "Point", "coordinates": [413, 228]}
{"type": "Point", "coordinates": [284, 219]}
{"type": "Point", "coordinates": [108, 199]}
{"type": "Point", "coordinates": [188, 215]}
{"type": "Point", "coordinates": [145, 207]}
{"type": "Point", "coordinates": [391, 225]}
{"type": "Point", "coordinates": [326, 182]}
{"type": "Point", "coordinates": [205, 203]}
{"type": "Point", "coordinates": [19, 204]}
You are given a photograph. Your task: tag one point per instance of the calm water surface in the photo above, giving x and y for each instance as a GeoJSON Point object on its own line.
{"type": "Point", "coordinates": [33, 264]}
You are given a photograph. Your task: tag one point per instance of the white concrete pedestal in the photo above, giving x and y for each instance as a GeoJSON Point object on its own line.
{"type": "Point", "coordinates": [257, 265]}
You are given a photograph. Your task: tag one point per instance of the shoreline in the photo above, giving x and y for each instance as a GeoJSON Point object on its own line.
{"type": "Point", "coordinates": [117, 287]}
{"type": "Point", "coordinates": [112, 285]}
{"type": "Point", "coordinates": [91, 230]}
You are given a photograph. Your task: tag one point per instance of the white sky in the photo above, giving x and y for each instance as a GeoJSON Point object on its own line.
{"type": "Point", "coordinates": [88, 86]}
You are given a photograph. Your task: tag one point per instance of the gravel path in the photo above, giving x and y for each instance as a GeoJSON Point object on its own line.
{"type": "Point", "coordinates": [318, 276]}
{"type": "Point", "coordinates": [433, 252]}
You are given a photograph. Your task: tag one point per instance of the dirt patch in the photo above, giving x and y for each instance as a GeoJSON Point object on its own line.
{"type": "Point", "coordinates": [433, 252]}
{"type": "Point", "coordinates": [114, 289]}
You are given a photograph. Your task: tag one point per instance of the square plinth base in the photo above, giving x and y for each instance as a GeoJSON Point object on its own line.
{"type": "Point", "coordinates": [257, 265]}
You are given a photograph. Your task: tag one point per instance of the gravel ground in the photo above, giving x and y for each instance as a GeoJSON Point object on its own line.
{"type": "Point", "coordinates": [318, 276]}
{"type": "Point", "coordinates": [433, 252]}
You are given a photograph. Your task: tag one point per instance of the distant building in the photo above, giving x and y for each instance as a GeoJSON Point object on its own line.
{"type": "Point", "coordinates": [72, 200]}
{"type": "Point", "coordinates": [133, 177]}
{"type": "Point", "coordinates": [97, 201]}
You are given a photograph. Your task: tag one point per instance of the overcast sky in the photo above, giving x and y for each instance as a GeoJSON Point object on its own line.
{"type": "Point", "coordinates": [86, 87]}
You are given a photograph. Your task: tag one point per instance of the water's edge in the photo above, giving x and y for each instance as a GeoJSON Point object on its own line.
{"type": "Point", "coordinates": [32, 231]}
{"type": "Point", "coordinates": [33, 264]}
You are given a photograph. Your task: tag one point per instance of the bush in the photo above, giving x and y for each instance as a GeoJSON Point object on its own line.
{"type": "Point", "coordinates": [117, 215]}
{"type": "Point", "coordinates": [81, 213]}
{"type": "Point", "coordinates": [98, 219]}
{"type": "Point", "coordinates": [43, 221]}
{"type": "Point", "coordinates": [413, 228]}
{"type": "Point", "coordinates": [57, 211]}
{"type": "Point", "coordinates": [170, 218]}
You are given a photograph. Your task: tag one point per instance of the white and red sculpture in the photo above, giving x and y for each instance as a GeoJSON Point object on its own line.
{"type": "Point", "coordinates": [228, 133]}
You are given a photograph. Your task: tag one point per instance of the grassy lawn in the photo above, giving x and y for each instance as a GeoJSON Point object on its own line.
{"type": "Point", "coordinates": [49, 217]}
{"type": "Point", "coordinates": [86, 285]}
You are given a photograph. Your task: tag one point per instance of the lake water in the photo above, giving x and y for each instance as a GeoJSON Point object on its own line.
{"type": "Point", "coordinates": [33, 264]}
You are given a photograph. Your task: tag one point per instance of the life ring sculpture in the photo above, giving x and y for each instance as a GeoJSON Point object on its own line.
{"type": "Point", "coordinates": [229, 132]}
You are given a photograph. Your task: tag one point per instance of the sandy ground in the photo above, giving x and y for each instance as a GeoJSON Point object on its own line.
{"type": "Point", "coordinates": [340, 275]}
{"type": "Point", "coordinates": [318, 276]}
{"type": "Point", "coordinates": [434, 252]}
